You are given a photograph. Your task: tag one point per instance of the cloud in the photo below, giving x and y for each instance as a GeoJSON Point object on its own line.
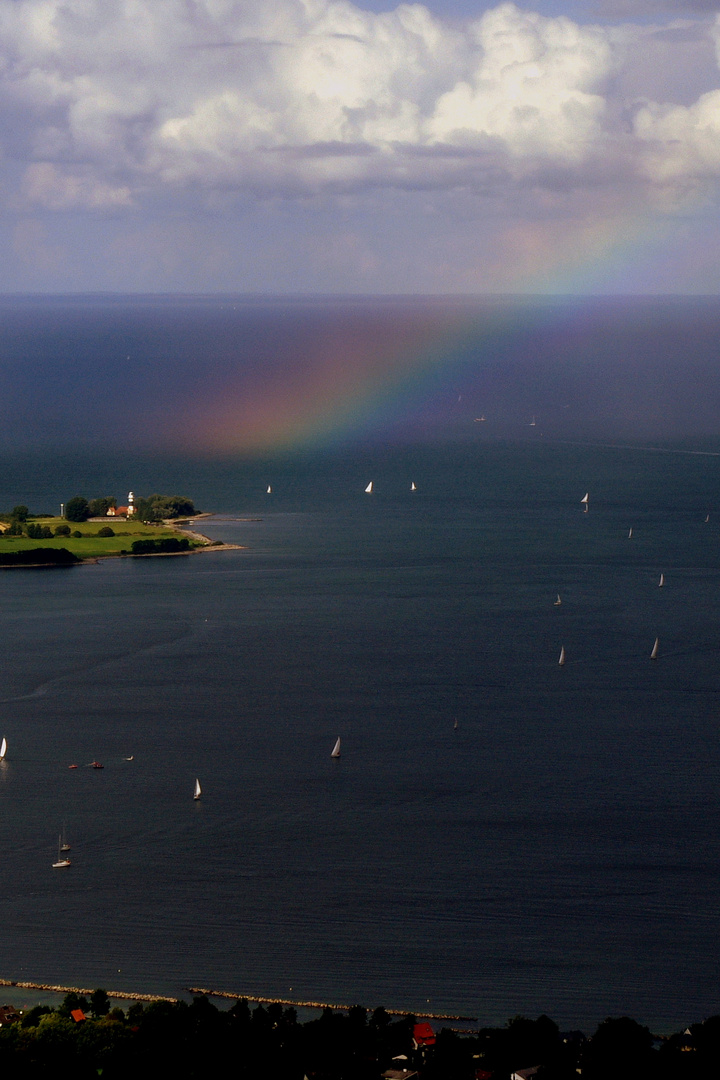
{"type": "Point", "coordinates": [112, 105]}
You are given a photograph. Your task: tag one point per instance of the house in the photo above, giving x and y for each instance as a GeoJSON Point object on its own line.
{"type": "Point", "coordinates": [525, 1074]}
{"type": "Point", "coordinates": [78, 1015]}
{"type": "Point", "coordinates": [8, 1015]}
{"type": "Point", "coordinates": [423, 1036]}
{"type": "Point", "coordinates": [399, 1074]}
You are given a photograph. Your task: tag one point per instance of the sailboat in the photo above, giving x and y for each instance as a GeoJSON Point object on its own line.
{"type": "Point", "coordinates": [532, 422]}
{"type": "Point", "coordinates": [654, 653]}
{"type": "Point", "coordinates": [585, 500]}
{"type": "Point", "coordinates": [3, 749]}
{"type": "Point", "coordinates": [412, 486]}
{"type": "Point", "coordinates": [630, 533]}
{"type": "Point", "coordinates": [368, 489]}
{"type": "Point", "coordinates": [64, 846]}
{"type": "Point", "coordinates": [479, 419]}
{"type": "Point", "coordinates": [60, 861]}
{"type": "Point", "coordinates": [558, 601]}
{"type": "Point", "coordinates": [561, 661]}
{"type": "Point", "coordinates": [269, 490]}
{"type": "Point", "coordinates": [661, 582]}
{"type": "Point", "coordinates": [198, 790]}
{"type": "Point", "coordinates": [707, 519]}
{"type": "Point", "coordinates": [336, 749]}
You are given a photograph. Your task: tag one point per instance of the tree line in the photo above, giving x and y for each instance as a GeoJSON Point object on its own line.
{"type": "Point", "coordinates": [198, 1040]}
{"type": "Point", "coordinates": [153, 508]}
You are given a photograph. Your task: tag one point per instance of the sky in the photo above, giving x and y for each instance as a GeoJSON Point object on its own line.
{"type": "Point", "coordinates": [326, 146]}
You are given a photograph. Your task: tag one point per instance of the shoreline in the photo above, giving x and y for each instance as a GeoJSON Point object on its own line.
{"type": "Point", "coordinates": [120, 995]}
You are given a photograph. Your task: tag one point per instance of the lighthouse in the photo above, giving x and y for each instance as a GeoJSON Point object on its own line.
{"type": "Point", "coordinates": [131, 504]}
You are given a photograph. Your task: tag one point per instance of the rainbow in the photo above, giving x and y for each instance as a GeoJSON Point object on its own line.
{"type": "Point", "coordinates": [375, 370]}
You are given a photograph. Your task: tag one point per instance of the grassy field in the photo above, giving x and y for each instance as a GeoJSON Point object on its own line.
{"type": "Point", "coordinates": [90, 545]}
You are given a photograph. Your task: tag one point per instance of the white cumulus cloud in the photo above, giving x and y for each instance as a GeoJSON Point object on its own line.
{"type": "Point", "coordinates": [107, 103]}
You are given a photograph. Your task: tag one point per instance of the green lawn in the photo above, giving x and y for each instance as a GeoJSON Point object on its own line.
{"type": "Point", "coordinates": [90, 545]}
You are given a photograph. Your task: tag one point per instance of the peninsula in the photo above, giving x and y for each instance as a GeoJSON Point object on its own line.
{"type": "Point", "coordinates": [99, 529]}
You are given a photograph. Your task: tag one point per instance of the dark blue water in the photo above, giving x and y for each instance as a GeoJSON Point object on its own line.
{"type": "Point", "coordinates": [558, 852]}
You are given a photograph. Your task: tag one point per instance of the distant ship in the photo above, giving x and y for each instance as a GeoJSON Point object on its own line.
{"type": "Point", "coordinates": [60, 861]}
{"type": "Point", "coordinates": [479, 419]}
{"type": "Point", "coordinates": [198, 790]}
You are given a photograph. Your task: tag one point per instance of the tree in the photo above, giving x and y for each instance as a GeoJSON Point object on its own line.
{"type": "Point", "coordinates": [19, 513]}
{"type": "Point", "coordinates": [100, 507]}
{"type": "Point", "coordinates": [77, 509]}
{"type": "Point", "coordinates": [99, 1002]}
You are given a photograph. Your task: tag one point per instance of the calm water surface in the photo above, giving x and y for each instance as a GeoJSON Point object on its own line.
{"type": "Point", "coordinates": [558, 852]}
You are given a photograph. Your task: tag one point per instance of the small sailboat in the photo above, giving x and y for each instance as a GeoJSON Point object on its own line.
{"type": "Point", "coordinates": [561, 661]}
{"type": "Point", "coordinates": [707, 519]}
{"type": "Point", "coordinates": [558, 601]}
{"type": "Point", "coordinates": [336, 749]}
{"type": "Point", "coordinates": [64, 846]}
{"type": "Point", "coordinates": [412, 486]}
{"type": "Point", "coordinates": [60, 860]}
{"type": "Point", "coordinates": [479, 419]}
{"type": "Point", "coordinates": [368, 489]}
{"type": "Point", "coordinates": [532, 422]}
{"type": "Point", "coordinates": [630, 533]}
{"type": "Point", "coordinates": [269, 490]}
{"type": "Point", "coordinates": [586, 500]}
{"type": "Point", "coordinates": [661, 582]}
{"type": "Point", "coordinates": [656, 646]}
{"type": "Point", "coordinates": [198, 790]}
{"type": "Point", "coordinates": [3, 749]}
{"type": "Point", "coordinates": [455, 725]}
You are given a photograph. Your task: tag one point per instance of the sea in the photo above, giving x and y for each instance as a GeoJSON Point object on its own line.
{"type": "Point", "coordinates": [501, 834]}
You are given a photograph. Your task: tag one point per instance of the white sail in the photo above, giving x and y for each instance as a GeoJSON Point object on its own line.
{"type": "Point", "coordinates": [3, 749]}
{"type": "Point", "coordinates": [368, 489]}
{"type": "Point", "coordinates": [707, 519]}
{"type": "Point", "coordinates": [198, 790]}
{"type": "Point", "coordinates": [630, 533]}
{"type": "Point", "coordinates": [586, 498]}
{"type": "Point", "coordinates": [269, 490]}
{"type": "Point", "coordinates": [561, 661]}
{"type": "Point", "coordinates": [532, 422]}
{"type": "Point", "coordinates": [412, 486]}
{"type": "Point", "coordinates": [661, 582]}
{"type": "Point", "coordinates": [653, 654]}
{"type": "Point", "coordinates": [336, 749]}
{"type": "Point", "coordinates": [558, 601]}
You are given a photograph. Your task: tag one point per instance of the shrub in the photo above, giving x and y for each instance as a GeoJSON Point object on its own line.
{"type": "Point", "coordinates": [77, 534]}
{"type": "Point", "coordinates": [105, 531]}
{"type": "Point", "coordinates": [62, 530]}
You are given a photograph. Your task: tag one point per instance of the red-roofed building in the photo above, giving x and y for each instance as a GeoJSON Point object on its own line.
{"type": "Point", "coordinates": [78, 1015]}
{"type": "Point", "coordinates": [423, 1035]}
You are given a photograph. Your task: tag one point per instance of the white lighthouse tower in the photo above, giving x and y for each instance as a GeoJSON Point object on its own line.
{"type": "Point", "coordinates": [131, 504]}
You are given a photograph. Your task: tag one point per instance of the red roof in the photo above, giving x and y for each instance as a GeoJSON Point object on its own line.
{"type": "Point", "coordinates": [78, 1015]}
{"type": "Point", "coordinates": [423, 1034]}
